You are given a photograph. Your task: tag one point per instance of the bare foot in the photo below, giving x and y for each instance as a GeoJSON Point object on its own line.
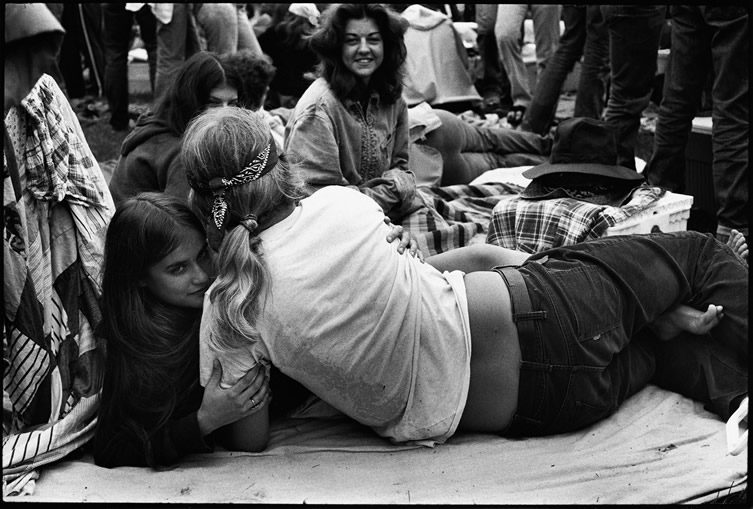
{"type": "Point", "coordinates": [737, 242]}
{"type": "Point", "coordinates": [688, 319]}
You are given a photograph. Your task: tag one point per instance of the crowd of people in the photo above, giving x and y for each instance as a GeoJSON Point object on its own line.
{"type": "Point", "coordinates": [273, 170]}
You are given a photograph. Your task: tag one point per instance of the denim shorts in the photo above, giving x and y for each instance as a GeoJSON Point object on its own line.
{"type": "Point", "coordinates": [571, 374]}
{"type": "Point", "coordinates": [582, 314]}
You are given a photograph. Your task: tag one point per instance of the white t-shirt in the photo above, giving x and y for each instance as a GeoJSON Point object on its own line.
{"type": "Point", "coordinates": [378, 335]}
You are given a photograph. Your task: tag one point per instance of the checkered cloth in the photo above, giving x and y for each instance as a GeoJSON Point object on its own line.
{"type": "Point", "coordinates": [534, 225]}
{"type": "Point", "coordinates": [455, 216]}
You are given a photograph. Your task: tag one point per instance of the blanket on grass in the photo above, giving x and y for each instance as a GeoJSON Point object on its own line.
{"type": "Point", "coordinates": [658, 448]}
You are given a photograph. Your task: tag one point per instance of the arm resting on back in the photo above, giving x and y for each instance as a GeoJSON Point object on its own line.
{"type": "Point", "coordinates": [476, 257]}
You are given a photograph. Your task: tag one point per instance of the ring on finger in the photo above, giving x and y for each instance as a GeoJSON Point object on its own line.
{"type": "Point", "coordinates": [253, 403]}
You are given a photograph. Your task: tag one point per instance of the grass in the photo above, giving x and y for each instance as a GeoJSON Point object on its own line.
{"type": "Point", "coordinates": [105, 142]}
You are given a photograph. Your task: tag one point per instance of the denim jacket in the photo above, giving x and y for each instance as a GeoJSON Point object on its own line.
{"type": "Point", "coordinates": [336, 143]}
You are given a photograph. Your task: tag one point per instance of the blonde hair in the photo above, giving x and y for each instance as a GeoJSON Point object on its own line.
{"type": "Point", "coordinates": [219, 143]}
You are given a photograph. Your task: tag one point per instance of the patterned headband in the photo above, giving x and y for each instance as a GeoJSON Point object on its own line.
{"type": "Point", "coordinates": [258, 167]}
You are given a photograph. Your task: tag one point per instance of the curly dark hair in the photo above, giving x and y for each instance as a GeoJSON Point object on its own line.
{"type": "Point", "coordinates": [255, 73]}
{"type": "Point", "coordinates": [327, 42]}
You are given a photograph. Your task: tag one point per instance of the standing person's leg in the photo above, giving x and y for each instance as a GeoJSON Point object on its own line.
{"type": "Point", "coordinates": [220, 24]}
{"type": "Point", "coordinates": [494, 85]}
{"type": "Point", "coordinates": [507, 31]}
{"type": "Point", "coordinates": [594, 70]}
{"type": "Point", "coordinates": [634, 33]}
{"type": "Point", "coordinates": [684, 80]}
{"type": "Point", "coordinates": [117, 35]}
{"type": "Point", "coordinates": [93, 48]}
{"type": "Point", "coordinates": [69, 59]}
{"type": "Point", "coordinates": [176, 41]}
{"type": "Point", "coordinates": [546, 32]}
{"type": "Point", "coordinates": [246, 37]}
{"type": "Point", "coordinates": [193, 41]}
{"type": "Point", "coordinates": [148, 31]}
{"type": "Point", "coordinates": [540, 113]}
{"type": "Point", "coordinates": [730, 94]}
{"type": "Point", "coordinates": [171, 51]}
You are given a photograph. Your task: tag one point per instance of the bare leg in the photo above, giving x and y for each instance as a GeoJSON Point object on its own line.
{"type": "Point", "coordinates": [737, 242]}
{"type": "Point", "coordinates": [688, 319]}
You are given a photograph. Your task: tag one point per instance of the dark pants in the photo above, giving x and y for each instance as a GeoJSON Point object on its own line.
{"type": "Point", "coordinates": [117, 41]}
{"type": "Point", "coordinates": [634, 33]}
{"type": "Point", "coordinates": [494, 82]}
{"type": "Point", "coordinates": [83, 37]}
{"type": "Point", "coordinates": [707, 39]}
{"type": "Point", "coordinates": [584, 36]}
{"type": "Point", "coordinates": [584, 336]}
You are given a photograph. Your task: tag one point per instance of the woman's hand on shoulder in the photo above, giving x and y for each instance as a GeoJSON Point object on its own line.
{"type": "Point", "coordinates": [220, 407]}
{"type": "Point", "coordinates": [397, 232]}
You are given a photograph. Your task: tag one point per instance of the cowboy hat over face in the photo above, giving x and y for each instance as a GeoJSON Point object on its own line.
{"type": "Point", "coordinates": [582, 165]}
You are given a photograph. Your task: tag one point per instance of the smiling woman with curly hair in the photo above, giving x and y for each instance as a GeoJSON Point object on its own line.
{"type": "Point", "coordinates": [332, 41]}
{"type": "Point", "coordinates": [350, 127]}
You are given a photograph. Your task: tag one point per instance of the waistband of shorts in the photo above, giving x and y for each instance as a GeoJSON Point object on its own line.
{"type": "Point", "coordinates": [521, 302]}
{"type": "Point", "coordinates": [525, 319]}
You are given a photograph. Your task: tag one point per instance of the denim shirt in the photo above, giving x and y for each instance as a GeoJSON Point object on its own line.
{"type": "Point", "coordinates": [335, 142]}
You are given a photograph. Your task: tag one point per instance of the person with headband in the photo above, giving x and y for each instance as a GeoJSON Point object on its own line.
{"type": "Point", "coordinates": [479, 338]}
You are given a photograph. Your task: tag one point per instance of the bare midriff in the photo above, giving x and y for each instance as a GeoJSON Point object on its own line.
{"type": "Point", "coordinates": [495, 355]}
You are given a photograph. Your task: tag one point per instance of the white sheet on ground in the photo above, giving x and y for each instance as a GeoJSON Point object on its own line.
{"type": "Point", "coordinates": [660, 447]}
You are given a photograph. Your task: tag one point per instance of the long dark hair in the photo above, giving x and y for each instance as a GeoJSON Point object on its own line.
{"type": "Point", "coordinates": [151, 347]}
{"type": "Point", "coordinates": [188, 94]}
{"type": "Point", "coordinates": [327, 42]}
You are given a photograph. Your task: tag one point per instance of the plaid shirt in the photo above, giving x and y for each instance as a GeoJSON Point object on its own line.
{"type": "Point", "coordinates": [534, 225]}
{"type": "Point", "coordinates": [454, 216]}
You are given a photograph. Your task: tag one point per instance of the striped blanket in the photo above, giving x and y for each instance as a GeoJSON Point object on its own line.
{"type": "Point", "coordinates": [56, 207]}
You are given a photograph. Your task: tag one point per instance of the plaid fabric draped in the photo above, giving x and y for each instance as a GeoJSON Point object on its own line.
{"type": "Point", "coordinates": [534, 225]}
{"type": "Point", "coordinates": [53, 245]}
{"type": "Point", "coordinates": [455, 216]}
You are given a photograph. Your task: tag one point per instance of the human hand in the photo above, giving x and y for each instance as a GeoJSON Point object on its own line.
{"type": "Point", "coordinates": [405, 239]}
{"type": "Point", "coordinates": [224, 406]}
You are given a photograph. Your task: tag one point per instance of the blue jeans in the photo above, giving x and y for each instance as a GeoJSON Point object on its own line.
{"type": "Point", "coordinates": [507, 30]}
{"type": "Point", "coordinates": [594, 69]}
{"type": "Point", "coordinates": [227, 28]}
{"type": "Point", "coordinates": [468, 150]}
{"type": "Point", "coordinates": [634, 32]}
{"type": "Point", "coordinates": [176, 41]}
{"type": "Point", "coordinates": [117, 36]}
{"type": "Point", "coordinates": [584, 36]}
{"type": "Point", "coordinates": [494, 82]}
{"type": "Point", "coordinates": [706, 39]}
{"type": "Point", "coordinates": [583, 318]}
